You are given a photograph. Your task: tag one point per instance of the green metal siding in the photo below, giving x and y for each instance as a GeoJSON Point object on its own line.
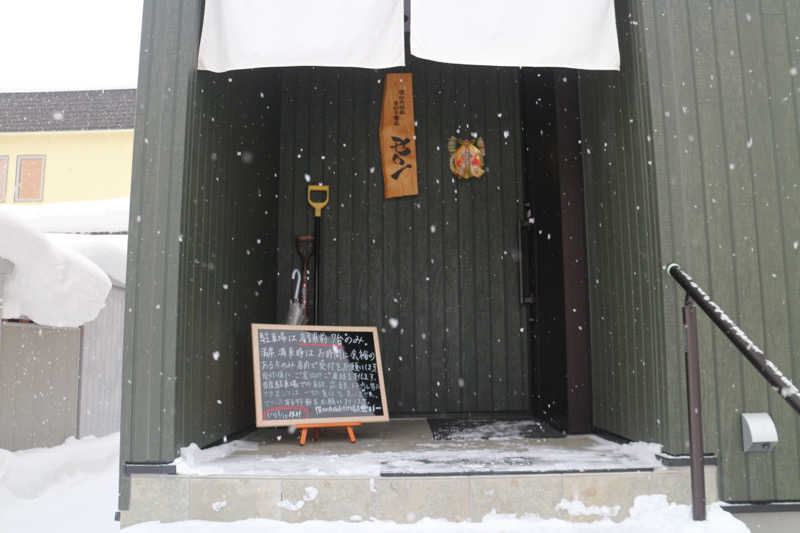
{"type": "Point", "coordinates": [202, 242]}
{"type": "Point", "coordinates": [443, 263]}
{"type": "Point", "coordinates": [228, 249]}
{"type": "Point", "coordinates": [703, 119]}
{"type": "Point", "coordinates": [629, 360]}
{"type": "Point", "coordinates": [170, 35]}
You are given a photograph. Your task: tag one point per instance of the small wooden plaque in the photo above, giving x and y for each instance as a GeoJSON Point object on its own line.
{"type": "Point", "coordinates": [398, 146]}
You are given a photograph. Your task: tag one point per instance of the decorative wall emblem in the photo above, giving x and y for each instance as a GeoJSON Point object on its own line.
{"type": "Point", "coordinates": [466, 160]}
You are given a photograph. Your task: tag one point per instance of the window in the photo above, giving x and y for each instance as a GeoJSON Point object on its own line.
{"type": "Point", "coordinates": [30, 178]}
{"type": "Point", "coordinates": [3, 176]}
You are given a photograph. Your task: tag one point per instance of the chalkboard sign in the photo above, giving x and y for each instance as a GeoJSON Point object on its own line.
{"type": "Point", "coordinates": [317, 375]}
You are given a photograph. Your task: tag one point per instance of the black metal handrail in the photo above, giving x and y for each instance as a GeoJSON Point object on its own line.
{"type": "Point", "coordinates": [738, 337]}
{"type": "Point", "coordinates": [744, 344]}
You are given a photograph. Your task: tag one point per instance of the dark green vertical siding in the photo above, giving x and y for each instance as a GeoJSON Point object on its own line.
{"type": "Point", "coordinates": [202, 243]}
{"type": "Point", "coordinates": [629, 359]}
{"type": "Point", "coordinates": [170, 33]}
{"type": "Point", "coordinates": [228, 249]}
{"type": "Point", "coordinates": [444, 263]}
{"type": "Point", "coordinates": [702, 123]}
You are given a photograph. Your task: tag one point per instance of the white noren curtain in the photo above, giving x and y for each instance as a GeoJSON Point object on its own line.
{"type": "Point", "coordinates": [240, 34]}
{"type": "Point", "coordinates": [578, 34]}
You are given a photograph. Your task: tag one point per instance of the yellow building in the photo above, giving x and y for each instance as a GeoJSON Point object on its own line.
{"type": "Point", "coordinates": [66, 146]}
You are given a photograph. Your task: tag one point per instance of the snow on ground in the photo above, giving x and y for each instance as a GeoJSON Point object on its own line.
{"type": "Point", "coordinates": [68, 488]}
{"type": "Point", "coordinates": [72, 488]}
{"type": "Point", "coordinates": [50, 284]}
{"type": "Point", "coordinates": [95, 216]}
{"type": "Point", "coordinates": [650, 514]}
{"type": "Point", "coordinates": [505, 455]}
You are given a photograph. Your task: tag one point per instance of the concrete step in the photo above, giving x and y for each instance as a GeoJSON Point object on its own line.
{"type": "Point", "coordinates": [168, 498]}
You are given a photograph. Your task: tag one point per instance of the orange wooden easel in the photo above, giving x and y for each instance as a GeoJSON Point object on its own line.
{"type": "Point", "coordinates": [316, 427]}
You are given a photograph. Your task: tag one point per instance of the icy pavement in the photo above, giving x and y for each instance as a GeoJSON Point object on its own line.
{"type": "Point", "coordinates": [406, 447]}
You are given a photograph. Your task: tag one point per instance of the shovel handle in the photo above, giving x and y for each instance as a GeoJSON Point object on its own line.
{"type": "Point", "coordinates": [318, 205]}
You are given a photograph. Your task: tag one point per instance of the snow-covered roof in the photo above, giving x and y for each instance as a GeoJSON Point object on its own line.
{"type": "Point", "coordinates": [96, 216]}
{"type": "Point", "coordinates": [51, 284]}
{"type": "Point", "coordinates": [106, 251]}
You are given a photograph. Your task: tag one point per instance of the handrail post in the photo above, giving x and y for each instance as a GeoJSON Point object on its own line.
{"type": "Point", "coordinates": [692, 354]}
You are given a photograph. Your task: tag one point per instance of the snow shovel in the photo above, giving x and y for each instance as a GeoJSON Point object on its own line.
{"type": "Point", "coordinates": [317, 205]}
{"type": "Point", "coordinates": [296, 314]}
{"type": "Point", "coordinates": [305, 249]}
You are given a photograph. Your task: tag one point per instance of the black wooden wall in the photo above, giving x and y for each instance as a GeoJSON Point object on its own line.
{"type": "Point", "coordinates": [437, 273]}
{"type": "Point", "coordinates": [543, 192]}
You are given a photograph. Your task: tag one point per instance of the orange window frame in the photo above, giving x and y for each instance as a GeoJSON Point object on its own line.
{"type": "Point", "coordinates": [24, 191]}
{"type": "Point", "coordinates": [3, 177]}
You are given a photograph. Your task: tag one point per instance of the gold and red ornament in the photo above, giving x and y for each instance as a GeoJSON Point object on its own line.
{"type": "Point", "coordinates": [466, 159]}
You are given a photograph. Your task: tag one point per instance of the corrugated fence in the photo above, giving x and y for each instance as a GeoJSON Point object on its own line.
{"type": "Point", "coordinates": [61, 382]}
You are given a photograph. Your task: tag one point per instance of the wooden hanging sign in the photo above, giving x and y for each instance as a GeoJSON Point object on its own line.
{"type": "Point", "coordinates": [398, 147]}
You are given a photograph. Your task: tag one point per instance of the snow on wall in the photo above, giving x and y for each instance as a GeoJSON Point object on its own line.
{"type": "Point", "coordinates": [50, 285]}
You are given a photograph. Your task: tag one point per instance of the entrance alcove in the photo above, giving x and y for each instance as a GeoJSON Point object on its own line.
{"type": "Point", "coordinates": [464, 281]}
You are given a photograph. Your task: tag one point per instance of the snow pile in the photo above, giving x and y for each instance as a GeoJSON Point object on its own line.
{"type": "Point", "coordinates": [27, 474]}
{"type": "Point", "coordinates": [95, 216]}
{"type": "Point", "coordinates": [72, 488]}
{"type": "Point", "coordinates": [578, 508]}
{"type": "Point", "coordinates": [109, 252]}
{"type": "Point", "coordinates": [195, 459]}
{"type": "Point", "coordinates": [50, 285]}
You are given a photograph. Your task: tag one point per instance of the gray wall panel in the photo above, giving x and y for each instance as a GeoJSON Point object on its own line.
{"type": "Point", "coordinates": [101, 368]}
{"type": "Point", "coordinates": [39, 385]}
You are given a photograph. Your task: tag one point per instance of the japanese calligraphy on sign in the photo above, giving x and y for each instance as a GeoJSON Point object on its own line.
{"type": "Point", "coordinates": [398, 147]}
{"type": "Point", "coordinates": [317, 375]}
